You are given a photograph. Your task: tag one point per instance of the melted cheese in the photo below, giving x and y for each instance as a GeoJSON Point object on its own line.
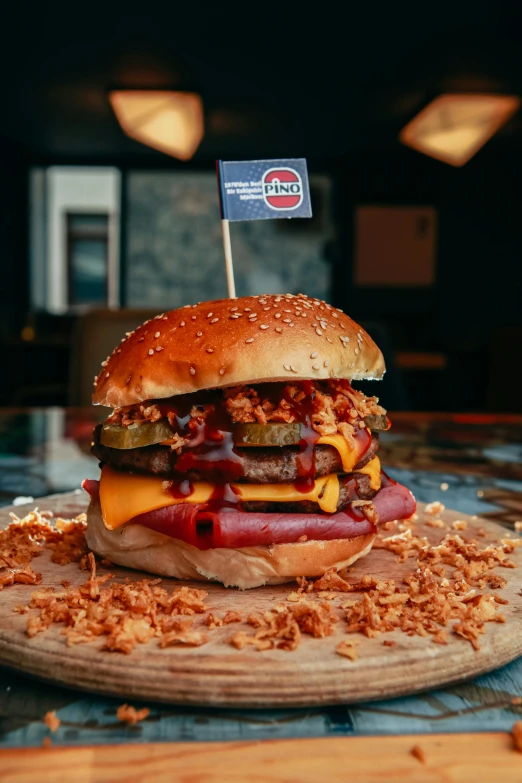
{"type": "Point", "coordinates": [123, 496]}
{"type": "Point", "coordinates": [349, 457]}
{"type": "Point", "coordinates": [373, 470]}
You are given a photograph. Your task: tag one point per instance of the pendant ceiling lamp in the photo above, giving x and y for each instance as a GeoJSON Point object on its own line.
{"type": "Point", "coordinates": [171, 122]}
{"type": "Point", "coordinates": [453, 127]}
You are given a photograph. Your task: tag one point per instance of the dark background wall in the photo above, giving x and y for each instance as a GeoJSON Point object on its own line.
{"type": "Point", "coordinates": [351, 85]}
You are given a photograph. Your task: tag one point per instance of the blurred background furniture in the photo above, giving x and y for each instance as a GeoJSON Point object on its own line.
{"type": "Point", "coordinates": [95, 336]}
{"type": "Point", "coordinates": [420, 235]}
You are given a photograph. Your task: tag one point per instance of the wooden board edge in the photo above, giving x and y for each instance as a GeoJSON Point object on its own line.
{"type": "Point", "coordinates": [455, 758]}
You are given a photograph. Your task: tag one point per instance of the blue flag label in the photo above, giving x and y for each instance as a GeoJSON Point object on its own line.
{"type": "Point", "coordinates": [264, 189]}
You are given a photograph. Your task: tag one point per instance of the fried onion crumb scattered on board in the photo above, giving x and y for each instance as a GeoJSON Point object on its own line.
{"type": "Point", "coordinates": [452, 590]}
{"type": "Point", "coordinates": [418, 753]}
{"type": "Point", "coordinates": [52, 721]}
{"type": "Point", "coordinates": [128, 714]}
{"type": "Point", "coordinates": [516, 733]}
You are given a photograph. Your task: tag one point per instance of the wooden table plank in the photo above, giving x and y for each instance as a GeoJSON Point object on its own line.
{"type": "Point", "coordinates": [450, 758]}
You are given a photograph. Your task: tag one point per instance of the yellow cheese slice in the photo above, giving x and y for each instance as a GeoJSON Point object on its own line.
{"type": "Point", "coordinates": [123, 496]}
{"type": "Point", "coordinates": [349, 457]}
{"type": "Point", "coordinates": [373, 470]}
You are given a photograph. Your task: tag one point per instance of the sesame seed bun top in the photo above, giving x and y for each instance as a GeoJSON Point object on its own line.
{"type": "Point", "coordinates": [234, 341]}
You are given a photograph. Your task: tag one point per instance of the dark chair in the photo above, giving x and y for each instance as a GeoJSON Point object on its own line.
{"type": "Point", "coordinates": [95, 336]}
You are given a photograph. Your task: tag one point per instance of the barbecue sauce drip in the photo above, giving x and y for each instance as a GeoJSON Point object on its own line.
{"type": "Point", "coordinates": [211, 450]}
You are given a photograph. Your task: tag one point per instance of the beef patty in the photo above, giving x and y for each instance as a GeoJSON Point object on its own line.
{"type": "Point", "coordinates": [261, 465]}
{"type": "Point", "coordinates": [354, 486]}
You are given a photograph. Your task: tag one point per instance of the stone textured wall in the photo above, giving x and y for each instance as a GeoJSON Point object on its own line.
{"type": "Point", "coordinates": [175, 250]}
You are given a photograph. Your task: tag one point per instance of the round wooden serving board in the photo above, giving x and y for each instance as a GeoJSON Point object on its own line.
{"type": "Point", "coordinates": [220, 675]}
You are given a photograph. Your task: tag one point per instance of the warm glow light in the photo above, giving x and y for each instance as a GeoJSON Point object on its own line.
{"type": "Point", "coordinates": [171, 122]}
{"type": "Point", "coordinates": [452, 128]}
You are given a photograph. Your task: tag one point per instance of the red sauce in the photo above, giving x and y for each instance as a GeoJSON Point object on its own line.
{"type": "Point", "coordinates": [211, 450]}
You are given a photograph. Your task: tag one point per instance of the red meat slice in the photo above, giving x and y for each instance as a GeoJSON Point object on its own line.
{"type": "Point", "coordinates": [205, 528]}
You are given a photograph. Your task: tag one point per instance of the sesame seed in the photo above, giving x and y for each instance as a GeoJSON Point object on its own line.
{"type": "Point", "coordinates": [264, 326]}
{"type": "Point", "coordinates": [233, 317]}
{"type": "Point", "coordinates": [329, 339]}
{"type": "Point", "coordinates": [324, 325]}
{"type": "Point", "coordinates": [287, 311]}
{"type": "Point", "coordinates": [278, 315]}
{"type": "Point", "coordinates": [313, 355]}
{"type": "Point", "coordinates": [214, 320]}
{"type": "Point", "coordinates": [286, 367]}
{"type": "Point", "coordinates": [278, 329]}
{"type": "Point", "coordinates": [104, 363]}
{"type": "Point", "coordinates": [250, 340]}
{"type": "Point", "coordinates": [287, 320]}
{"type": "Point", "coordinates": [209, 315]}
{"type": "Point", "coordinates": [128, 334]}
{"type": "Point", "coordinates": [159, 348]}
{"type": "Point", "coordinates": [128, 380]}
{"type": "Point", "coordinates": [182, 323]}
{"type": "Point", "coordinates": [253, 315]}
{"type": "Point", "coordinates": [198, 334]}
{"type": "Point", "coordinates": [334, 315]}
{"type": "Point", "coordinates": [157, 334]}
{"type": "Point", "coordinates": [210, 350]}
{"type": "Point", "coordinates": [233, 309]}
{"type": "Point", "coordinates": [222, 371]}
{"type": "Point", "coordinates": [151, 351]}
{"type": "Point", "coordinates": [293, 368]}
{"type": "Point", "coordinates": [356, 351]}
{"type": "Point", "coordinates": [247, 309]}
{"type": "Point", "coordinates": [315, 366]}
{"type": "Point", "coordinates": [326, 363]}
{"type": "Point", "coordinates": [165, 318]}
{"type": "Point", "coordinates": [193, 317]}
{"type": "Point", "coordinates": [192, 371]}
{"type": "Point", "coordinates": [291, 323]}
{"type": "Point", "coordinates": [106, 374]}
{"type": "Point", "coordinates": [319, 332]}
{"type": "Point", "coordinates": [266, 308]}
{"type": "Point", "coordinates": [303, 315]}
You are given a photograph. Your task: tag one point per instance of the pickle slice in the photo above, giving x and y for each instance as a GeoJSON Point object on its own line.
{"type": "Point", "coordinates": [376, 422]}
{"type": "Point", "coordinates": [131, 437]}
{"type": "Point", "coordinates": [273, 434]}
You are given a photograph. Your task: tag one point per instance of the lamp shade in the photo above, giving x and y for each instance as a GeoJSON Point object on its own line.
{"type": "Point", "coordinates": [453, 127]}
{"type": "Point", "coordinates": [171, 122]}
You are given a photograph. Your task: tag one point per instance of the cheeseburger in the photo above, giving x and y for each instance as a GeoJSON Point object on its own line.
{"type": "Point", "coordinates": [237, 449]}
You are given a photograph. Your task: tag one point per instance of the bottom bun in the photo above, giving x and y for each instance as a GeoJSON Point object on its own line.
{"type": "Point", "coordinates": [135, 546]}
